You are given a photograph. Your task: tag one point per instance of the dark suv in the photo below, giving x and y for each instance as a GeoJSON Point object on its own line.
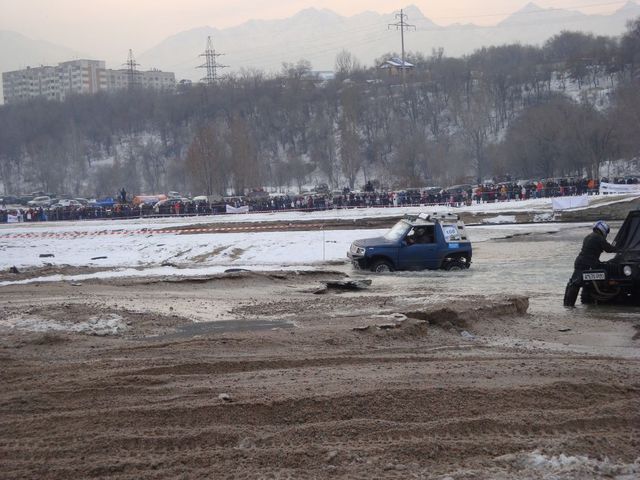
{"type": "Point", "coordinates": [618, 281]}
{"type": "Point", "coordinates": [425, 241]}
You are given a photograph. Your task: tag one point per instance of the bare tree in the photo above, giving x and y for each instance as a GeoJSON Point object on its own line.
{"type": "Point", "coordinates": [476, 124]}
{"type": "Point", "coordinates": [346, 63]}
{"type": "Point", "coordinates": [322, 148]}
{"type": "Point", "coordinates": [207, 163]}
{"type": "Point", "coordinates": [626, 118]}
{"type": "Point", "coordinates": [298, 169]}
{"type": "Point", "coordinates": [630, 48]}
{"type": "Point", "coordinates": [593, 137]}
{"type": "Point", "coordinates": [350, 155]}
{"type": "Point", "coordinates": [244, 164]}
{"type": "Point", "coordinates": [153, 164]}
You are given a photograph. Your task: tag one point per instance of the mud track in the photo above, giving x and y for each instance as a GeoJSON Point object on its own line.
{"type": "Point", "coordinates": [378, 383]}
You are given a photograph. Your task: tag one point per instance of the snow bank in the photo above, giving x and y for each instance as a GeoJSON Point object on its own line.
{"type": "Point", "coordinates": [500, 219]}
{"type": "Point", "coordinates": [102, 325]}
{"type": "Point", "coordinates": [569, 466]}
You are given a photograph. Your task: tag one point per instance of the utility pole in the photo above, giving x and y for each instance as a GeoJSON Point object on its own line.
{"type": "Point", "coordinates": [402, 25]}
{"type": "Point", "coordinates": [132, 71]}
{"type": "Point", "coordinates": [211, 63]}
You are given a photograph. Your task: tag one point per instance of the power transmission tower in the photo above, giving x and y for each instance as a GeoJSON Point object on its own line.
{"type": "Point", "coordinates": [402, 25]}
{"type": "Point", "coordinates": [211, 63]}
{"type": "Point", "coordinates": [132, 71]}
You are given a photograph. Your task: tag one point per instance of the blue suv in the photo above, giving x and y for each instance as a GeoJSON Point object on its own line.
{"type": "Point", "coordinates": [426, 241]}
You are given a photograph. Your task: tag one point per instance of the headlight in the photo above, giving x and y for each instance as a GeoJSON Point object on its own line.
{"type": "Point", "coordinates": [627, 270]}
{"type": "Point", "coordinates": [356, 250]}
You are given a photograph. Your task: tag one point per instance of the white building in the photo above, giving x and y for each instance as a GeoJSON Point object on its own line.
{"type": "Point", "coordinates": [76, 77]}
{"type": "Point", "coordinates": [118, 79]}
{"type": "Point", "coordinates": [80, 76]}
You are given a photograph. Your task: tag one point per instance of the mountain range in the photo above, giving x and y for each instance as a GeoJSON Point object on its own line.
{"type": "Point", "coordinates": [318, 35]}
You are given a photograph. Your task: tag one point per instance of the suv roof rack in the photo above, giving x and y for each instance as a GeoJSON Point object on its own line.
{"type": "Point", "coordinates": [439, 216]}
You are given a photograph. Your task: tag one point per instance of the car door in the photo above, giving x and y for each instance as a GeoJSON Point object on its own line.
{"type": "Point", "coordinates": [418, 256]}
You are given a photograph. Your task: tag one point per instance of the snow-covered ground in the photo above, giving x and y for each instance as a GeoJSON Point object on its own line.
{"type": "Point", "coordinates": [136, 253]}
{"type": "Point", "coordinates": [202, 254]}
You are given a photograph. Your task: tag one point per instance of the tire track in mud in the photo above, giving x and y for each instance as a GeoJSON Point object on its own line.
{"type": "Point", "coordinates": [384, 404]}
{"type": "Point", "coordinates": [387, 425]}
{"type": "Point", "coordinates": [224, 367]}
{"type": "Point", "coordinates": [127, 381]}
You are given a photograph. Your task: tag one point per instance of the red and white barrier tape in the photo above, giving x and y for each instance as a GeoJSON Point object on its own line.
{"type": "Point", "coordinates": [101, 233]}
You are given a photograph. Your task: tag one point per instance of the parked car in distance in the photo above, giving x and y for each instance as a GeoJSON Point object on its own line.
{"type": "Point", "coordinates": [43, 201]}
{"type": "Point", "coordinates": [106, 202]}
{"type": "Point", "coordinates": [82, 201]}
{"type": "Point", "coordinates": [10, 200]}
{"type": "Point", "coordinates": [167, 206]}
{"type": "Point", "coordinates": [66, 203]}
{"type": "Point", "coordinates": [459, 188]}
{"type": "Point", "coordinates": [147, 199]}
{"type": "Point", "coordinates": [426, 241]}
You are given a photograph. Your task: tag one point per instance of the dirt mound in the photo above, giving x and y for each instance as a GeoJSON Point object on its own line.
{"type": "Point", "coordinates": [464, 315]}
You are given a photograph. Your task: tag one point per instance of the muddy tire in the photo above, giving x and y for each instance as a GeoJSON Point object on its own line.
{"type": "Point", "coordinates": [570, 296]}
{"type": "Point", "coordinates": [455, 265]}
{"type": "Point", "coordinates": [382, 266]}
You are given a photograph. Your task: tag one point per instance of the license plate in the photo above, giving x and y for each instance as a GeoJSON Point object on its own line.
{"type": "Point", "coordinates": [586, 276]}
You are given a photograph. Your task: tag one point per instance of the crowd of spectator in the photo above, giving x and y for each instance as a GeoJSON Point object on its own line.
{"type": "Point", "coordinates": [260, 201]}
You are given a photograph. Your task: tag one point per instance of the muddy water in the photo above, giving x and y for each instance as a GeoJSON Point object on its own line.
{"type": "Point", "coordinates": [532, 260]}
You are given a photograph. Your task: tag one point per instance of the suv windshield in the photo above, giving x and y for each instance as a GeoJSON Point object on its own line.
{"type": "Point", "coordinates": [398, 231]}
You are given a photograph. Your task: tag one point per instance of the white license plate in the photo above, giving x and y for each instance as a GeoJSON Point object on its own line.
{"type": "Point", "coordinates": [586, 276]}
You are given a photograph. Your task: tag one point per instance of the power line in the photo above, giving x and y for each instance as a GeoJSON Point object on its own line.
{"type": "Point", "coordinates": [211, 63]}
{"type": "Point", "coordinates": [402, 26]}
{"type": "Point", "coordinates": [318, 49]}
{"type": "Point", "coordinates": [132, 71]}
{"type": "Point", "coordinates": [324, 47]}
{"type": "Point", "coordinates": [246, 55]}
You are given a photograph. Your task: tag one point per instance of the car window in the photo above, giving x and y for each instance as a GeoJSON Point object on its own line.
{"type": "Point", "coordinates": [451, 233]}
{"type": "Point", "coordinates": [398, 231]}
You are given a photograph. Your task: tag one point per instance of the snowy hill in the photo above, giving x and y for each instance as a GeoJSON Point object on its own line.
{"type": "Point", "coordinates": [318, 35]}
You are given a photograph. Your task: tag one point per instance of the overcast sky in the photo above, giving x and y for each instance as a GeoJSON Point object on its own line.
{"type": "Point", "coordinates": [108, 28]}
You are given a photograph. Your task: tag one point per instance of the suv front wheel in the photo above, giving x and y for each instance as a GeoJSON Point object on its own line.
{"type": "Point", "coordinates": [381, 266]}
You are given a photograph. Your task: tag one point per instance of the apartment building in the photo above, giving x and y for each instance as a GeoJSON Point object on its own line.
{"type": "Point", "coordinates": [80, 77]}
{"type": "Point", "coordinates": [118, 79]}
{"type": "Point", "coordinates": [77, 77]}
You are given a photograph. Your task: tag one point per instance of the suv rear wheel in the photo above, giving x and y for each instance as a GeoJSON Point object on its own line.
{"type": "Point", "coordinates": [381, 266]}
{"type": "Point", "coordinates": [454, 265]}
